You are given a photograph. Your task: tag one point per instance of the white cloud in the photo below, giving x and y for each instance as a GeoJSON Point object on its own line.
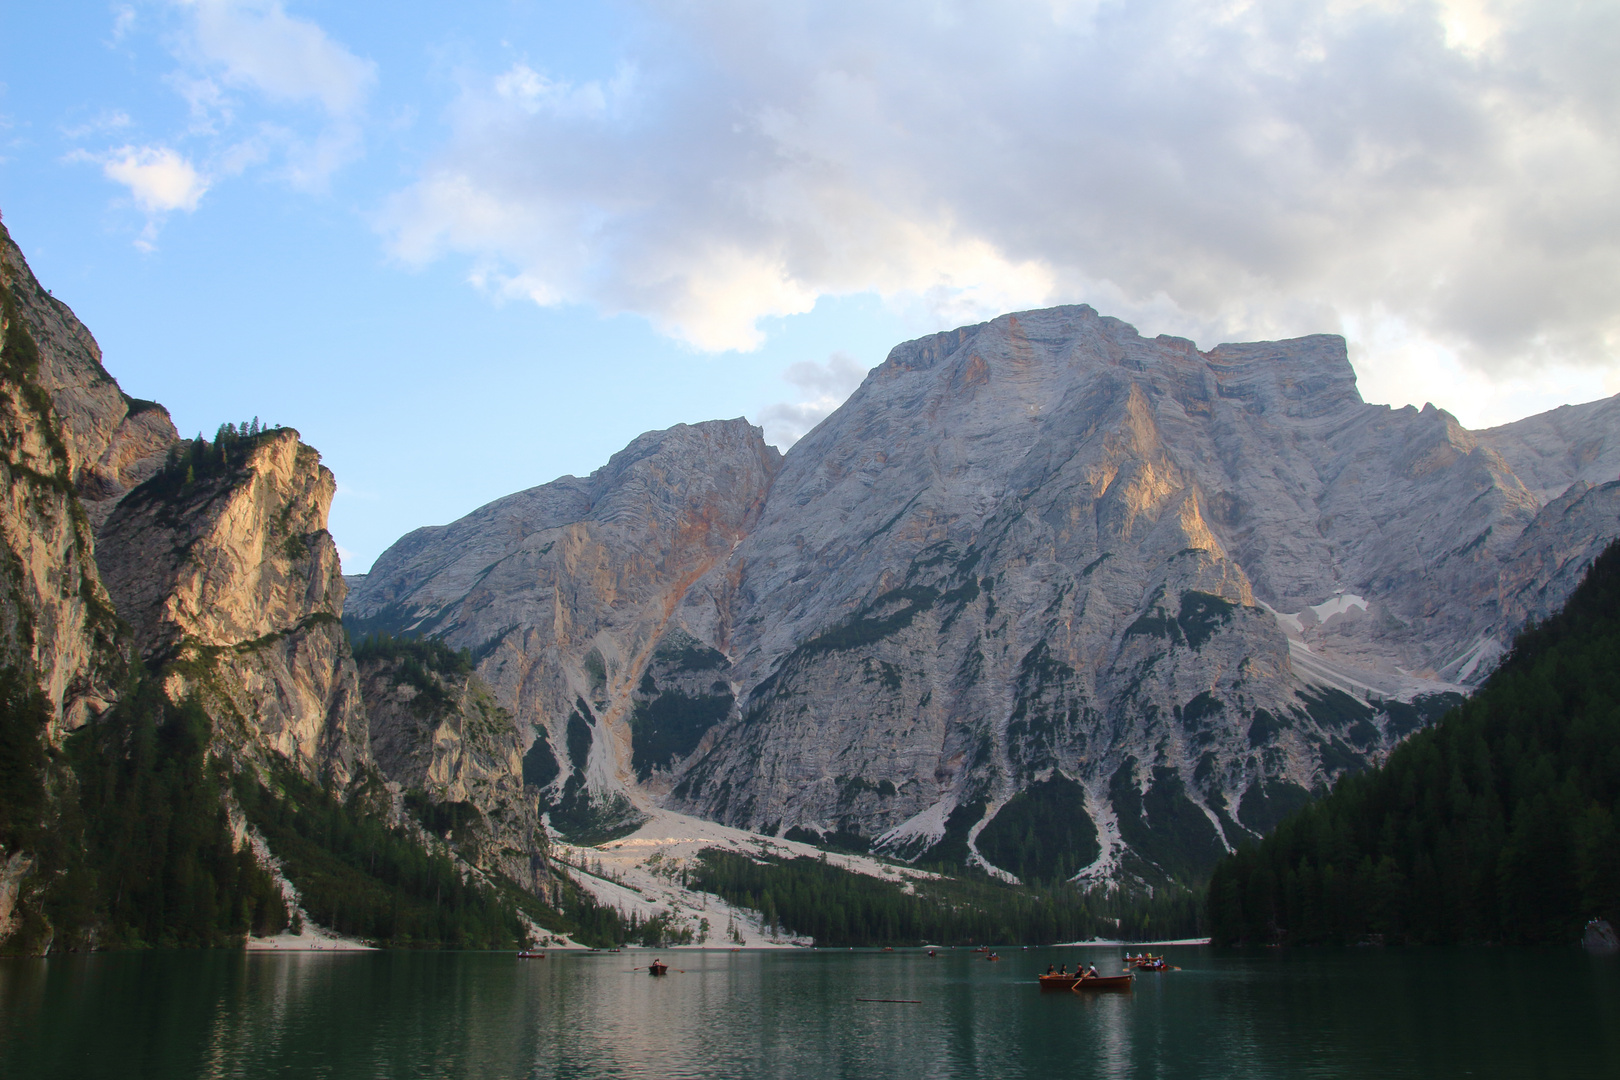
{"type": "Point", "coordinates": [159, 179]}
{"type": "Point", "coordinates": [822, 388]}
{"type": "Point", "coordinates": [534, 93]}
{"type": "Point", "coordinates": [248, 62]}
{"type": "Point", "coordinates": [1220, 171]}
{"type": "Point", "coordinates": [123, 21]}
{"type": "Point", "coordinates": [256, 44]}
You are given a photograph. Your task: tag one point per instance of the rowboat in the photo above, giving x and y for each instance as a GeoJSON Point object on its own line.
{"type": "Point", "coordinates": [1078, 983]}
{"type": "Point", "coordinates": [531, 954]}
{"type": "Point", "coordinates": [657, 967]}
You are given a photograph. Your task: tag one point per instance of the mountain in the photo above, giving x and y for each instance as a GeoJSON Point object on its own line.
{"type": "Point", "coordinates": [224, 571]}
{"type": "Point", "coordinates": [1043, 596]}
{"type": "Point", "coordinates": [564, 592]}
{"type": "Point", "coordinates": [186, 755]}
{"type": "Point", "coordinates": [1498, 824]}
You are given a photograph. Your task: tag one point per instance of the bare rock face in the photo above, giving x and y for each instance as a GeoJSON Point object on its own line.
{"type": "Point", "coordinates": [457, 755]}
{"type": "Point", "coordinates": [1039, 570]}
{"type": "Point", "coordinates": [562, 592]}
{"type": "Point", "coordinates": [134, 455]}
{"type": "Point", "coordinates": [1552, 450]}
{"type": "Point", "coordinates": [1194, 584]}
{"type": "Point", "coordinates": [211, 564]}
{"type": "Point", "coordinates": [56, 622]}
{"type": "Point", "coordinates": [233, 581]}
{"type": "Point", "coordinates": [111, 441]}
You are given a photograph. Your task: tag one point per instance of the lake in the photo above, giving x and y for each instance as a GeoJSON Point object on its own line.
{"type": "Point", "coordinates": [1264, 1013]}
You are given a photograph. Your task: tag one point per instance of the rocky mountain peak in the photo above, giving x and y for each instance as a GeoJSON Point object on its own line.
{"type": "Point", "coordinates": [1038, 558]}
{"type": "Point", "coordinates": [234, 554]}
{"type": "Point", "coordinates": [112, 441]}
{"type": "Point", "coordinates": [1304, 378]}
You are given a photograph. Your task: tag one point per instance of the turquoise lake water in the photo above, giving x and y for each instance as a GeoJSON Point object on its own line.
{"type": "Point", "coordinates": [1266, 1013]}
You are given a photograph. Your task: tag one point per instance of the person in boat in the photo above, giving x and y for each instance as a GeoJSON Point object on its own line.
{"type": "Point", "coordinates": [1064, 970]}
{"type": "Point", "coordinates": [1050, 970]}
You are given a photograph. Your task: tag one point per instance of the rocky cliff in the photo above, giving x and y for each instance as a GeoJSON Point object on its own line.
{"type": "Point", "coordinates": [174, 675]}
{"type": "Point", "coordinates": [1035, 570]}
{"type": "Point", "coordinates": [562, 594]}
{"type": "Point", "coordinates": [73, 443]}
{"type": "Point", "coordinates": [437, 731]}
{"type": "Point", "coordinates": [223, 568]}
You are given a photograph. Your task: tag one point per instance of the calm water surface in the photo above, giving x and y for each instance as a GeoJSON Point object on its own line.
{"type": "Point", "coordinates": [1306, 1013]}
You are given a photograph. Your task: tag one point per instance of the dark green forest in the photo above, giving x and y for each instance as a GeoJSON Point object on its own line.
{"type": "Point", "coordinates": [133, 842]}
{"type": "Point", "coordinates": [816, 898]}
{"type": "Point", "coordinates": [1498, 824]}
{"type": "Point", "coordinates": [129, 825]}
{"type": "Point", "coordinates": [365, 880]}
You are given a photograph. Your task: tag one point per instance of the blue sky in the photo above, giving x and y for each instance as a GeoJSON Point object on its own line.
{"type": "Point", "coordinates": [467, 248]}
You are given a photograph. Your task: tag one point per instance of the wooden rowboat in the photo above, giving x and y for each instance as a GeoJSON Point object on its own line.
{"type": "Point", "coordinates": [657, 967]}
{"type": "Point", "coordinates": [1079, 983]}
{"type": "Point", "coordinates": [531, 954]}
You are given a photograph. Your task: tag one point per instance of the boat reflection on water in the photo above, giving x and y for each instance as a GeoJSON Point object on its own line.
{"type": "Point", "coordinates": [1079, 983]}
{"type": "Point", "coordinates": [1357, 1014]}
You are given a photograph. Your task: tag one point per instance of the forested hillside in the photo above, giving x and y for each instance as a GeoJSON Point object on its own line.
{"type": "Point", "coordinates": [821, 900]}
{"type": "Point", "coordinates": [1498, 824]}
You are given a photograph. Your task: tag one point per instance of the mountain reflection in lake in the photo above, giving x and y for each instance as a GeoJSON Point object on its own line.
{"type": "Point", "coordinates": [1360, 1013]}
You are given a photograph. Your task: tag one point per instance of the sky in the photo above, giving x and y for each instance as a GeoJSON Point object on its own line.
{"type": "Point", "coordinates": [467, 248]}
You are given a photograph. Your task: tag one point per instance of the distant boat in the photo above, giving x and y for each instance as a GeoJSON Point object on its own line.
{"type": "Point", "coordinates": [657, 967]}
{"type": "Point", "coordinates": [531, 954]}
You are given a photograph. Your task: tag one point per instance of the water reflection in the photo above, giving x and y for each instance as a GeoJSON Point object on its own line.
{"type": "Point", "coordinates": [1373, 1013]}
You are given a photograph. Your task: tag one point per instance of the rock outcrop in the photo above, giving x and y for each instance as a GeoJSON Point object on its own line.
{"type": "Point", "coordinates": [1035, 567]}
{"type": "Point", "coordinates": [232, 586]}
{"type": "Point", "coordinates": [198, 579]}
{"type": "Point", "coordinates": [65, 427]}
{"type": "Point", "coordinates": [457, 757]}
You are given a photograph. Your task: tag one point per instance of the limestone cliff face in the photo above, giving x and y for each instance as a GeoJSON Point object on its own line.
{"type": "Point", "coordinates": [1045, 568]}
{"type": "Point", "coordinates": [562, 592]}
{"type": "Point", "coordinates": [231, 582]}
{"type": "Point", "coordinates": [56, 622]}
{"type": "Point", "coordinates": [457, 756]}
{"type": "Point", "coordinates": [211, 564]}
{"type": "Point", "coordinates": [110, 442]}
{"type": "Point", "coordinates": [61, 419]}
{"type": "Point", "coordinates": [1552, 450]}
{"type": "Point", "coordinates": [1193, 584]}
